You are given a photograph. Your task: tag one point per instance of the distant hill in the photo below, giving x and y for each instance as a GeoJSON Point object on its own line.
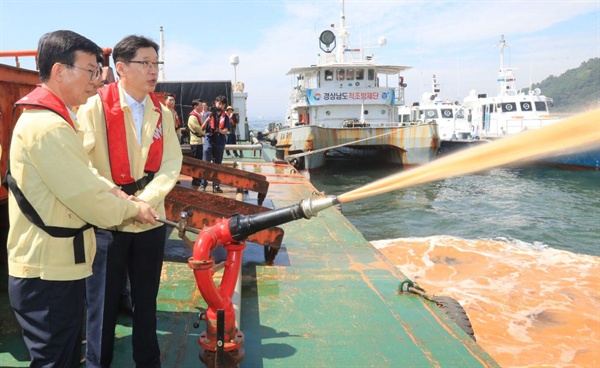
{"type": "Point", "coordinates": [576, 89]}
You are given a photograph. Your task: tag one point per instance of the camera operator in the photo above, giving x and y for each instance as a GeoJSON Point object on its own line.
{"type": "Point", "coordinates": [217, 126]}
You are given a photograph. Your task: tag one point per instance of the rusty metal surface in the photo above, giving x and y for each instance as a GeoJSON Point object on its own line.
{"type": "Point", "coordinates": [14, 84]}
{"type": "Point", "coordinates": [207, 208]}
{"type": "Point", "coordinates": [225, 175]}
{"type": "Point", "coordinates": [407, 145]}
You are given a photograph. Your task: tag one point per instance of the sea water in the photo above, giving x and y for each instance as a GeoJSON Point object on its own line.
{"type": "Point", "coordinates": [519, 247]}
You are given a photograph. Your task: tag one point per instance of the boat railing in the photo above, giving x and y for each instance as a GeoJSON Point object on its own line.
{"type": "Point", "coordinates": [399, 93]}
{"type": "Point", "coordinates": [513, 126]}
{"type": "Point", "coordinates": [298, 95]}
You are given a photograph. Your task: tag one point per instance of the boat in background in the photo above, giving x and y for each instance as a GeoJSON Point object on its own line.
{"type": "Point", "coordinates": [587, 160]}
{"type": "Point", "coordinates": [509, 112]}
{"type": "Point", "coordinates": [513, 111]}
{"type": "Point", "coordinates": [454, 130]}
{"type": "Point", "coordinates": [344, 107]}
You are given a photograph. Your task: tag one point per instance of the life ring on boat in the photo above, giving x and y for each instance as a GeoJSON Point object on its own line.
{"type": "Point", "coordinates": [456, 312]}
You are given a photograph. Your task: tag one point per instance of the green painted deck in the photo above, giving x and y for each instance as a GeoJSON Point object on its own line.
{"type": "Point", "coordinates": [330, 300]}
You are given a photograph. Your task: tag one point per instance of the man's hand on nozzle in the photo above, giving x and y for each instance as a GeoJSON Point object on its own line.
{"type": "Point", "coordinates": [146, 214]}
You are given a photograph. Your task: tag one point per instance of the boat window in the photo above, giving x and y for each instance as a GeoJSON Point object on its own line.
{"type": "Point", "coordinates": [460, 114]}
{"type": "Point", "coordinates": [447, 113]}
{"type": "Point", "coordinates": [328, 75]}
{"type": "Point", "coordinates": [509, 107]}
{"type": "Point", "coordinates": [540, 106]}
{"type": "Point", "coordinates": [340, 74]}
{"type": "Point", "coordinates": [360, 74]}
{"type": "Point", "coordinates": [371, 74]}
{"type": "Point", "coordinates": [526, 106]}
{"type": "Point", "coordinates": [430, 114]}
{"type": "Point", "coordinates": [350, 74]}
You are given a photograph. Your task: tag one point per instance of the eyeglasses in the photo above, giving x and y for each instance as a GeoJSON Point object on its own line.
{"type": "Point", "coordinates": [158, 65]}
{"type": "Point", "coordinates": [94, 74]}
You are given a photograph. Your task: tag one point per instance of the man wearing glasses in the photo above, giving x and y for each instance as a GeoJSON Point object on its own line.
{"type": "Point", "coordinates": [131, 140]}
{"type": "Point", "coordinates": [54, 200]}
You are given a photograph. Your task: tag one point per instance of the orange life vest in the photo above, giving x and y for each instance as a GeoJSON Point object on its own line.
{"type": "Point", "coordinates": [42, 99]}
{"type": "Point", "coordinates": [117, 137]}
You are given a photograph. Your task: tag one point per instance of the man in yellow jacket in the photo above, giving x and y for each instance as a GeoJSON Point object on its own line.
{"type": "Point", "coordinates": [131, 139]}
{"type": "Point", "coordinates": [197, 116]}
{"type": "Point", "coordinates": [54, 198]}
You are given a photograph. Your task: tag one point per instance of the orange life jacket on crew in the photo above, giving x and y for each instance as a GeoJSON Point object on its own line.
{"type": "Point", "coordinates": [177, 121]}
{"type": "Point", "coordinates": [117, 140]}
{"type": "Point", "coordinates": [221, 121]}
{"type": "Point", "coordinates": [42, 99]}
{"type": "Point", "coordinates": [198, 116]}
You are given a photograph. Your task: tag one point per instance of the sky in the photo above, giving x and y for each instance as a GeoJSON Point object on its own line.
{"type": "Point", "coordinates": [455, 40]}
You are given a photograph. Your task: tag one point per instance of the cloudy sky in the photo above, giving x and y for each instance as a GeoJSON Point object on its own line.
{"type": "Point", "coordinates": [452, 39]}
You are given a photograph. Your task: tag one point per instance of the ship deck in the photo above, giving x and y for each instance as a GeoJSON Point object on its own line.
{"type": "Point", "coordinates": [329, 300]}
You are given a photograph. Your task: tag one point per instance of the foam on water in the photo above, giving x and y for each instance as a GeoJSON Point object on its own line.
{"type": "Point", "coordinates": [530, 305]}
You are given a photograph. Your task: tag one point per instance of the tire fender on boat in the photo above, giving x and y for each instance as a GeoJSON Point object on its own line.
{"type": "Point", "coordinates": [456, 312]}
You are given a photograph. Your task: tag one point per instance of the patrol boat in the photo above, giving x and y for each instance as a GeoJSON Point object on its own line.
{"type": "Point", "coordinates": [344, 107]}
{"type": "Point", "coordinates": [511, 111]}
{"type": "Point", "coordinates": [455, 131]}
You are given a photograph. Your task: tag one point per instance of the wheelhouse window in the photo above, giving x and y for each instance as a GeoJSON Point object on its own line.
{"type": "Point", "coordinates": [371, 74]}
{"type": "Point", "coordinates": [460, 114]}
{"type": "Point", "coordinates": [340, 74]}
{"type": "Point", "coordinates": [447, 113]}
{"type": "Point", "coordinates": [526, 106]}
{"type": "Point", "coordinates": [360, 74]}
{"type": "Point", "coordinates": [509, 107]}
{"type": "Point", "coordinates": [541, 106]}
{"type": "Point", "coordinates": [328, 74]}
{"type": "Point", "coordinates": [430, 114]}
{"type": "Point", "coordinates": [350, 74]}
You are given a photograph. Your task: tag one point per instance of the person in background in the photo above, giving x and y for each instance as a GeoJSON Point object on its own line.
{"type": "Point", "coordinates": [231, 136]}
{"type": "Point", "coordinates": [131, 139]}
{"type": "Point", "coordinates": [196, 133]}
{"type": "Point", "coordinates": [170, 103]}
{"type": "Point", "coordinates": [216, 126]}
{"type": "Point", "coordinates": [54, 199]}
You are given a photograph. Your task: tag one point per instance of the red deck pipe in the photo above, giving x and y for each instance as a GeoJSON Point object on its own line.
{"type": "Point", "coordinates": [218, 298]}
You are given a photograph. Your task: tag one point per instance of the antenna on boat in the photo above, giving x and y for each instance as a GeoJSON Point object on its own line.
{"type": "Point", "coordinates": [506, 77]}
{"type": "Point", "coordinates": [162, 53]}
{"type": "Point", "coordinates": [343, 35]}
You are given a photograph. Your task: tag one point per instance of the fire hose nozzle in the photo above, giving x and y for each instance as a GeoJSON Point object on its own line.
{"type": "Point", "coordinates": [311, 207]}
{"type": "Point", "coordinates": [240, 227]}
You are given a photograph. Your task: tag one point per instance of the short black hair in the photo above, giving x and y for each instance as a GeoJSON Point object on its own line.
{"type": "Point", "coordinates": [60, 47]}
{"type": "Point", "coordinates": [169, 94]}
{"type": "Point", "coordinates": [196, 102]}
{"type": "Point", "coordinates": [221, 99]}
{"type": "Point", "coordinates": [126, 48]}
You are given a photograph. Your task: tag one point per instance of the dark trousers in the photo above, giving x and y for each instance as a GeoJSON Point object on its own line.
{"type": "Point", "coordinates": [141, 254]}
{"type": "Point", "coordinates": [213, 152]}
{"type": "Point", "coordinates": [197, 152]}
{"type": "Point", "coordinates": [232, 139]}
{"type": "Point", "coordinates": [51, 315]}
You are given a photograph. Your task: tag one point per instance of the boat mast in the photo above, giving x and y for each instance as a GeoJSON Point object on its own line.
{"type": "Point", "coordinates": [162, 53]}
{"type": "Point", "coordinates": [506, 77]}
{"type": "Point", "coordinates": [343, 35]}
